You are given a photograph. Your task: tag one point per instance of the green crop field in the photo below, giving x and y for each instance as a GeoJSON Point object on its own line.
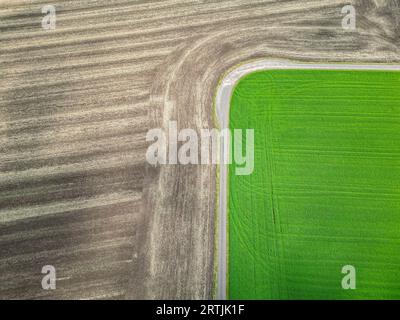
{"type": "Point", "coordinates": [325, 189]}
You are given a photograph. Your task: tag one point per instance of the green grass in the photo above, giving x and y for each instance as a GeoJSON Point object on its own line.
{"type": "Point", "coordinates": [325, 189]}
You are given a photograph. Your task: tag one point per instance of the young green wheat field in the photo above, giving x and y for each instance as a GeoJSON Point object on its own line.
{"type": "Point", "coordinates": [325, 189]}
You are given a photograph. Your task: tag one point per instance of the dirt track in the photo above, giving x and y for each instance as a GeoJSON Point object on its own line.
{"type": "Point", "coordinates": [75, 105]}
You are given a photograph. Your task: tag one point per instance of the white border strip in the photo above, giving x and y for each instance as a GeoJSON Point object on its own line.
{"type": "Point", "coordinates": [223, 100]}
